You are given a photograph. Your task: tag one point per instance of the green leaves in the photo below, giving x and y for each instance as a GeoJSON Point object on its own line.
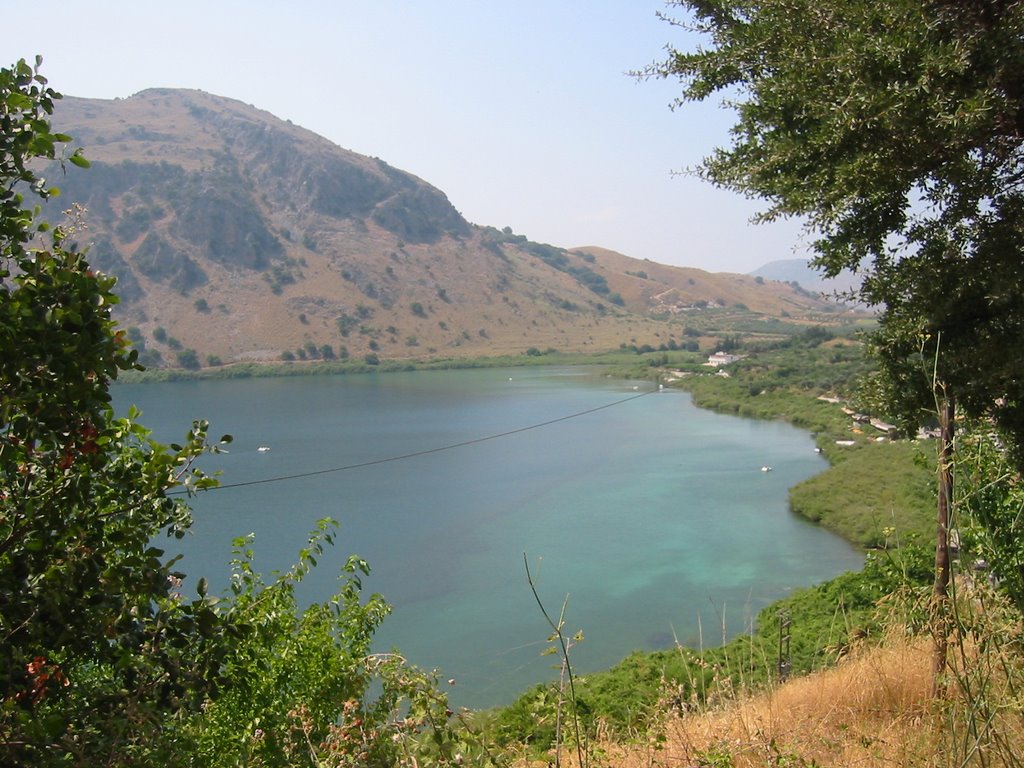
{"type": "Point", "coordinates": [303, 686]}
{"type": "Point", "coordinates": [78, 159]}
{"type": "Point", "coordinates": [103, 661]}
{"type": "Point", "coordinates": [82, 495]}
{"type": "Point", "coordinates": [894, 130]}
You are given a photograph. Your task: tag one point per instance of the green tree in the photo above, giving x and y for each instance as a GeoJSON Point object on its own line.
{"type": "Point", "coordinates": [992, 496]}
{"type": "Point", "coordinates": [102, 661]}
{"type": "Point", "coordinates": [94, 648]}
{"type": "Point", "coordinates": [895, 129]}
{"type": "Point", "coordinates": [188, 358]}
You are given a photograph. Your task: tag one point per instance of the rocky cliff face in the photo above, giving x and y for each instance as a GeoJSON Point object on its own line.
{"type": "Point", "coordinates": [235, 235]}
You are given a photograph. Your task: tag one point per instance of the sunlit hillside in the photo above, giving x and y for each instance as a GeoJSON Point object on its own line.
{"type": "Point", "coordinates": [236, 236]}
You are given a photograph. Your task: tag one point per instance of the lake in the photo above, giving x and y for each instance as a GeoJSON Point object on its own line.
{"type": "Point", "coordinates": [651, 519]}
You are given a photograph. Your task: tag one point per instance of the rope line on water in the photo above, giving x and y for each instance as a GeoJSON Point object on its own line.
{"type": "Point", "coordinates": [425, 452]}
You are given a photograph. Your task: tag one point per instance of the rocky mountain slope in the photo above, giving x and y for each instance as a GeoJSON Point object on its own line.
{"type": "Point", "coordinates": [238, 236]}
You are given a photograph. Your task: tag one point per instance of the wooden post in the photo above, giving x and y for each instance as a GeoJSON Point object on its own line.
{"type": "Point", "coordinates": [940, 593]}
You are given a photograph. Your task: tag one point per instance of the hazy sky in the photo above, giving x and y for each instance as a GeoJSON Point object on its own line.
{"type": "Point", "coordinates": [521, 111]}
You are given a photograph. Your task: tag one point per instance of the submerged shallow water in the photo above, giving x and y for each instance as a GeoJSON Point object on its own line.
{"type": "Point", "coordinates": [649, 518]}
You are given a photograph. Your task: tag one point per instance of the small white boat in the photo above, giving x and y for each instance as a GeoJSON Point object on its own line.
{"type": "Point", "coordinates": [263, 448]}
{"type": "Point", "coordinates": [766, 468]}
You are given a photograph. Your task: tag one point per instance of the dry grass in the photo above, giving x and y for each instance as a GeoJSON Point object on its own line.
{"type": "Point", "coordinates": [868, 711]}
{"type": "Point", "coordinates": [872, 710]}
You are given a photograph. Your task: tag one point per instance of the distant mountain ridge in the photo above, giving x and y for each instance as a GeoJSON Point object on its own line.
{"type": "Point", "coordinates": [238, 236]}
{"type": "Point", "coordinates": [800, 271]}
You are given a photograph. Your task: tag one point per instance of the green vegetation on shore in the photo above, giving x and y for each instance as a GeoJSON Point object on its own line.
{"type": "Point", "coordinates": [876, 489]}
{"type": "Point", "coordinates": [875, 494]}
{"type": "Point", "coordinates": [824, 620]}
{"type": "Point", "coordinates": [615, 360]}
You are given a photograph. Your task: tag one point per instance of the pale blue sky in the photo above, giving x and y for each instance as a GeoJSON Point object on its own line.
{"type": "Point", "coordinates": [521, 112]}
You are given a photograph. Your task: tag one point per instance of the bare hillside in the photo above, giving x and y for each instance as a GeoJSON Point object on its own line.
{"type": "Point", "coordinates": [237, 236]}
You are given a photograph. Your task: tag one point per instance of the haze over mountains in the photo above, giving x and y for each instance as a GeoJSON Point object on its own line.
{"type": "Point", "coordinates": [238, 236]}
{"type": "Point", "coordinates": [800, 271]}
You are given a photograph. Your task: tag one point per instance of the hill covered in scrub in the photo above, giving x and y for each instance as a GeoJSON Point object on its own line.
{"type": "Point", "coordinates": [238, 236]}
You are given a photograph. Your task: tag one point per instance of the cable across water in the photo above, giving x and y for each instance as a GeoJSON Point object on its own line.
{"type": "Point", "coordinates": [424, 452]}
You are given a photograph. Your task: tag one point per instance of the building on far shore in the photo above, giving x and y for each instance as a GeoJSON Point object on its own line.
{"type": "Point", "coordinates": [722, 358]}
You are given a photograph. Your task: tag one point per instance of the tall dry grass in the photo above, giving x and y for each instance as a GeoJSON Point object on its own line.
{"type": "Point", "coordinates": [873, 710]}
{"type": "Point", "coordinates": [984, 709]}
{"type": "Point", "coordinates": [876, 707]}
{"type": "Point", "coordinates": [870, 710]}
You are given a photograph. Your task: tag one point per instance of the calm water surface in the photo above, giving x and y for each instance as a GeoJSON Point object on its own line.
{"type": "Point", "coordinates": [652, 516]}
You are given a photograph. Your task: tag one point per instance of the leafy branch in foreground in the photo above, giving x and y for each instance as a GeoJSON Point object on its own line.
{"type": "Point", "coordinates": [305, 687]}
{"type": "Point", "coordinates": [562, 648]}
{"type": "Point", "coordinates": [92, 644]}
{"type": "Point", "coordinates": [103, 662]}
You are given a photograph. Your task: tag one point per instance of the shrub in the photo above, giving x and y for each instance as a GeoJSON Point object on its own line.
{"type": "Point", "coordinates": [102, 660]}
{"type": "Point", "coordinates": [188, 358]}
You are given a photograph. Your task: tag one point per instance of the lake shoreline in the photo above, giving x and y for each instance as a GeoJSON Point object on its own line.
{"type": "Point", "coordinates": [591, 471]}
{"type": "Point", "coordinates": [614, 363]}
{"type": "Point", "coordinates": [624, 695]}
{"type": "Point", "coordinates": [244, 370]}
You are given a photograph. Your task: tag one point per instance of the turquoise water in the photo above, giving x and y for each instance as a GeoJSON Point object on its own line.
{"type": "Point", "coordinates": [651, 518]}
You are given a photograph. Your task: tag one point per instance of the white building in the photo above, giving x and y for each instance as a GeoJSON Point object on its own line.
{"type": "Point", "coordinates": [722, 358]}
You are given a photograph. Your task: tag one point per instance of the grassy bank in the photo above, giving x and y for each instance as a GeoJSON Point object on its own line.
{"type": "Point", "coordinates": [874, 494]}
{"type": "Point", "coordinates": [625, 362]}
{"type": "Point", "coordinates": [877, 495]}
{"type": "Point", "coordinates": [876, 490]}
{"type": "Point", "coordinates": [823, 622]}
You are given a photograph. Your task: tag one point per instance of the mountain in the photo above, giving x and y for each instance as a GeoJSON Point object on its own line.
{"type": "Point", "coordinates": [801, 272]}
{"type": "Point", "coordinates": [238, 236]}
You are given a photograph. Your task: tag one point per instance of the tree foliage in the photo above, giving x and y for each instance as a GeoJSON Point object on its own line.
{"type": "Point", "coordinates": [89, 633]}
{"type": "Point", "coordinates": [991, 501]}
{"type": "Point", "coordinates": [895, 129]}
{"type": "Point", "coordinates": [103, 662]}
